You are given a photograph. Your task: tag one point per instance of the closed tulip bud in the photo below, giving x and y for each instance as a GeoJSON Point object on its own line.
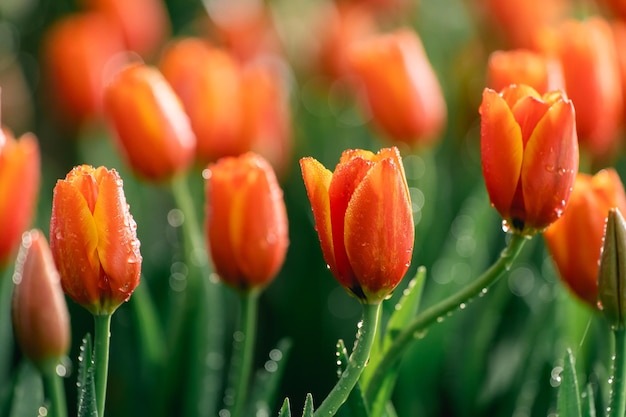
{"type": "Point", "coordinates": [522, 66]}
{"type": "Point", "coordinates": [152, 128]}
{"type": "Point", "coordinates": [143, 23]}
{"type": "Point", "coordinates": [592, 81]}
{"type": "Point", "coordinates": [402, 92]}
{"type": "Point", "coordinates": [246, 221]}
{"type": "Point", "coordinates": [93, 239]}
{"type": "Point", "coordinates": [40, 318]}
{"type": "Point", "coordinates": [529, 153]}
{"type": "Point", "coordinates": [575, 240]}
{"type": "Point", "coordinates": [20, 174]}
{"type": "Point", "coordinates": [208, 82]}
{"type": "Point", "coordinates": [364, 221]}
{"type": "Point", "coordinates": [78, 53]}
{"type": "Point", "coordinates": [612, 271]}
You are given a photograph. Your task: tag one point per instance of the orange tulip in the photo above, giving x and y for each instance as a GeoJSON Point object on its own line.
{"type": "Point", "coordinates": [93, 239]}
{"type": "Point", "coordinates": [78, 54]}
{"type": "Point", "coordinates": [20, 174]}
{"type": "Point", "coordinates": [529, 155]}
{"type": "Point", "coordinates": [246, 221]}
{"type": "Point", "coordinates": [522, 66]}
{"type": "Point", "coordinates": [575, 240]}
{"type": "Point", "coordinates": [401, 89]}
{"type": "Point", "coordinates": [40, 317]}
{"type": "Point", "coordinates": [266, 111]}
{"type": "Point", "coordinates": [592, 81]}
{"type": "Point", "coordinates": [144, 23]}
{"type": "Point", "coordinates": [208, 81]}
{"type": "Point", "coordinates": [364, 220]}
{"type": "Point", "coordinates": [153, 131]}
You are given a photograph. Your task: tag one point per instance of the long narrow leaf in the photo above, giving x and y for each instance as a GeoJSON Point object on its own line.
{"type": "Point", "coordinates": [588, 403]}
{"type": "Point", "coordinates": [568, 404]}
{"type": "Point", "coordinates": [356, 401]}
{"type": "Point", "coordinates": [86, 397]}
{"type": "Point", "coordinates": [285, 410]}
{"type": "Point", "coordinates": [28, 391]}
{"type": "Point", "coordinates": [308, 406]}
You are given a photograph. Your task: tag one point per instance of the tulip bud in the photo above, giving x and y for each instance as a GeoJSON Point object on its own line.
{"type": "Point", "coordinates": [401, 89]}
{"type": "Point", "coordinates": [612, 271]}
{"type": "Point", "coordinates": [20, 174]}
{"type": "Point", "coordinates": [575, 240]}
{"type": "Point", "coordinates": [40, 318]}
{"type": "Point", "coordinates": [529, 153]}
{"type": "Point", "coordinates": [93, 239]}
{"type": "Point", "coordinates": [246, 221]}
{"type": "Point", "coordinates": [153, 131]}
{"type": "Point", "coordinates": [363, 219]}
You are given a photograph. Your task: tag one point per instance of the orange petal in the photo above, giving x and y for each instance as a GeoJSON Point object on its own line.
{"type": "Point", "coordinates": [118, 246]}
{"type": "Point", "coordinates": [528, 111]}
{"type": "Point", "coordinates": [550, 165]}
{"type": "Point", "coordinates": [379, 230]}
{"type": "Point", "coordinates": [317, 182]}
{"type": "Point", "coordinates": [501, 150]}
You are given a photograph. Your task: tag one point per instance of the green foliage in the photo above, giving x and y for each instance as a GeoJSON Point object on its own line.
{"type": "Point", "coordinates": [87, 406]}
{"type": "Point", "coordinates": [569, 401]}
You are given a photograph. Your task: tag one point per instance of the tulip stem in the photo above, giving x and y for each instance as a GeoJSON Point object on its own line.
{"type": "Point", "coordinates": [55, 390]}
{"type": "Point", "coordinates": [243, 353]}
{"type": "Point", "coordinates": [440, 310]}
{"type": "Point", "coordinates": [101, 357]}
{"type": "Point", "coordinates": [356, 363]}
{"type": "Point", "coordinates": [617, 404]}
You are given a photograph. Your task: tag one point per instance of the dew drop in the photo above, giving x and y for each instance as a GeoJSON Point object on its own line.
{"type": "Point", "coordinates": [462, 306]}
{"type": "Point", "coordinates": [439, 319]}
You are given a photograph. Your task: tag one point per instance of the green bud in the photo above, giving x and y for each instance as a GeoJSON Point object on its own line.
{"type": "Point", "coordinates": [612, 271]}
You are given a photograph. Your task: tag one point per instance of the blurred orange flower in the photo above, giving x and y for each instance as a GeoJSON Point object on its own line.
{"type": "Point", "coordinates": [153, 131]}
{"type": "Point", "coordinates": [575, 240]}
{"type": "Point", "coordinates": [401, 89]}
{"type": "Point", "coordinates": [93, 239]}
{"type": "Point", "coordinates": [363, 218]}
{"type": "Point", "coordinates": [20, 176]}
{"type": "Point", "coordinates": [246, 221]}
{"type": "Point", "coordinates": [523, 66]}
{"type": "Point", "coordinates": [529, 155]}
{"type": "Point", "coordinates": [208, 81]}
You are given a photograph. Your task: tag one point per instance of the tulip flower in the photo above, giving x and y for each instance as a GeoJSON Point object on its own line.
{"type": "Point", "coordinates": [246, 221]}
{"type": "Point", "coordinates": [575, 240]}
{"type": "Point", "coordinates": [592, 81]}
{"type": "Point", "coordinates": [153, 131]}
{"type": "Point", "coordinates": [208, 81]}
{"type": "Point", "coordinates": [93, 239]}
{"type": "Point", "coordinates": [522, 66]}
{"type": "Point", "coordinates": [363, 218]}
{"type": "Point", "coordinates": [78, 56]}
{"type": "Point", "coordinates": [401, 89]}
{"type": "Point", "coordinates": [143, 23]}
{"type": "Point", "coordinates": [20, 174]}
{"type": "Point", "coordinates": [40, 317]}
{"type": "Point", "coordinates": [529, 153]}
{"type": "Point", "coordinates": [266, 111]}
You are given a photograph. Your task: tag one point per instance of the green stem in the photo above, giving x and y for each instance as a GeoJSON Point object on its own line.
{"type": "Point", "coordinates": [617, 404]}
{"type": "Point", "coordinates": [429, 316]}
{"type": "Point", "coordinates": [101, 356]}
{"type": "Point", "coordinates": [55, 390]}
{"type": "Point", "coordinates": [243, 352]}
{"type": "Point", "coordinates": [358, 359]}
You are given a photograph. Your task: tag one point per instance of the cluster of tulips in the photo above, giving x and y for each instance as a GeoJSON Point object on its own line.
{"type": "Point", "coordinates": [216, 107]}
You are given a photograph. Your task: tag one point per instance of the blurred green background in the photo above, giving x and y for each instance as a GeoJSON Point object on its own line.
{"type": "Point", "coordinates": [501, 356]}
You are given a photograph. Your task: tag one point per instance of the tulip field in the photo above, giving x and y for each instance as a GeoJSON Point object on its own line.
{"type": "Point", "coordinates": [360, 208]}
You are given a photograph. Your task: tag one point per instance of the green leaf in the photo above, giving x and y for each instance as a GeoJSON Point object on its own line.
{"type": "Point", "coordinates": [6, 329]}
{"type": "Point", "coordinates": [356, 401]}
{"type": "Point", "coordinates": [588, 403]}
{"type": "Point", "coordinates": [87, 406]}
{"type": "Point", "coordinates": [28, 391]}
{"type": "Point", "coordinates": [568, 404]}
{"type": "Point", "coordinates": [406, 308]}
{"type": "Point", "coordinates": [267, 380]}
{"type": "Point", "coordinates": [308, 406]}
{"type": "Point", "coordinates": [285, 410]}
